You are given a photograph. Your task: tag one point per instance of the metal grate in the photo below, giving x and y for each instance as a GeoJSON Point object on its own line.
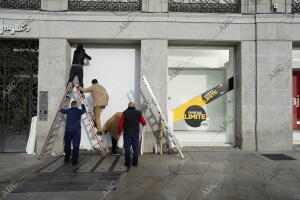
{"type": "Point", "coordinates": [105, 5]}
{"type": "Point", "coordinates": [295, 6]}
{"type": "Point", "coordinates": [18, 84]}
{"type": "Point", "coordinates": [205, 6]}
{"type": "Point", "coordinates": [67, 182]}
{"type": "Point", "coordinates": [278, 157]}
{"type": "Point", "coordinates": [21, 4]}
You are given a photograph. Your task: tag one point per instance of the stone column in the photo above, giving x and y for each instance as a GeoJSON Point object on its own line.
{"type": "Point", "coordinates": [154, 65]}
{"type": "Point", "coordinates": [274, 83]}
{"type": "Point", "coordinates": [54, 5]}
{"type": "Point", "coordinates": [154, 5]}
{"type": "Point", "coordinates": [54, 66]}
{"type": "Point", "coordinates": [265, 6]}
{"type": "Point", "coordinates": [245, 95]}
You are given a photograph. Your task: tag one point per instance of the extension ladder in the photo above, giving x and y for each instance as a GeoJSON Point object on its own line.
{"type": "Point", "coordinates": [102, 147]}
{"type": "Point", "coordinates": [56, 124]}
{"type": "Point", "coordinates": [170, 132]}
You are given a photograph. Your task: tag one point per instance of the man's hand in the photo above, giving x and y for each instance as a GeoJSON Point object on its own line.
{"type": "Point", "coordinates": [81, 101]}
{"type": "Point", "coordinates": [77, 85]}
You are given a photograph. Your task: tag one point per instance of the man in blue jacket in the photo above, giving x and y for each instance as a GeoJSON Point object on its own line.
{"type": "Point", "coordinates": [73, 131]}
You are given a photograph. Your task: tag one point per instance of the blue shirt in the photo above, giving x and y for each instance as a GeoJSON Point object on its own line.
{"type": "Point", "coordinates": [73, 117]}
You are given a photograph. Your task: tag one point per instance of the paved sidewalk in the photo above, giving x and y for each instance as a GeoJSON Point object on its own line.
{"type": "Point", "coordinates": [212, 176]}
{"type": "Point", "coordinates": [218, 175]}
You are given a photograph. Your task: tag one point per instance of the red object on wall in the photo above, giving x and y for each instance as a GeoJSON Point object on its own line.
{"type": "Point", "coordinates": [296, 100]}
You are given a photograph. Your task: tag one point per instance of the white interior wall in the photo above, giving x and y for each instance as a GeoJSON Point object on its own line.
{"type": "Point", "coordinates": [117, 69]}
{"type": "Point", "coordinates": [203, 69]}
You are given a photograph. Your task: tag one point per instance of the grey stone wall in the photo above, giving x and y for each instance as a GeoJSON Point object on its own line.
{"type": "Point", "coordinates": [154, 65]}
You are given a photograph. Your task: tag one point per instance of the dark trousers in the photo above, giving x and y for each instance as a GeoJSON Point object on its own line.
{"type": "Point", "coordinates": [114, 143]}
{"type": "Point", "coordinates": [74, 138]}
{"type": "Point", "coordinates": [131, 140]}
{"type": "Point", "coordinates": [76, 71]}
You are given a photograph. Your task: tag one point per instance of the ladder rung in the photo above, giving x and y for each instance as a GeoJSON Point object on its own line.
{"type": "Point", "coordinates": [52, 135]}
{"type": "Point", "coordinates": [50, 142]}
{"type": "Point", "coordinates": [153, 124]}
{"type": "Point", "coordinates": [46, 149]}
{"type": "Point", "coordinates": [55, 128]}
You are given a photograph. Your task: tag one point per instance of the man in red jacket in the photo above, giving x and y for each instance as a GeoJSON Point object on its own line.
{"type": "Point", "coordinates": [130, 121]}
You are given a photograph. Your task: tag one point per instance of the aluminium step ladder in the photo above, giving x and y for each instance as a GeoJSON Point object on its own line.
{"type": "Point", "coordinates": [170, 132]}
{"type": "Point", "coordinates": [102, 147]}
{"type": "Point", "coordinates": [56, 124]}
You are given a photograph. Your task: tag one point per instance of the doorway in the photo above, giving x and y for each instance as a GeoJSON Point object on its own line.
{"type": "Point", "coordinates": [201, 95]}
{"type": "Point", "coordinates": [117, 69]}
{"type": "Point", "coordinates": [18, 83]}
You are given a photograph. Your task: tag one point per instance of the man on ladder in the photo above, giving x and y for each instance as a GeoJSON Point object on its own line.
{"type": "Point", "coordinates": [73, 131]}
{"type": "Point", "coordinates": [100, 101]}
{"type": "Point", "coordinates": [77, 64]}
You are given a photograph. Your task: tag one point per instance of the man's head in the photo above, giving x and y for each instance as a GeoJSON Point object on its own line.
{"type": "Point", "coordinates": [131, 105]}
{"type": "Point", "coordinates": [94, 81]}
{"type": "Point", "coordinates": [79, 46]}
{"type": "Point", "coordinates": [73, 104]}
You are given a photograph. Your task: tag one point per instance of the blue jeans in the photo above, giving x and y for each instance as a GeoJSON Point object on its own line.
{"type": "Point", "coordinates": [131, 140]}
{"type": "Point", "coordinates": [74, 138]}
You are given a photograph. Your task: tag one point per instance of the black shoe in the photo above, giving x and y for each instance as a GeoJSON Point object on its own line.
{"type": "Point", "coordinates": [128, 169]}
{"type": "Point", "coordinates": [135, 165]}
{"type": "Point", "coordinates": [74, 162]}
{"type": "Point", "coordinates": [66, 161]}
{"type": "Point", "coordinates": [99, 132]}
{"type": "Point", "coordinates": [115, 152]}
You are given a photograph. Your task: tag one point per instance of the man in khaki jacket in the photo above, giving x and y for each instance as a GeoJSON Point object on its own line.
{"type": "Point", "coordinates": [111, 126]}
{"type": "Point", "coordinates": [100, 100]}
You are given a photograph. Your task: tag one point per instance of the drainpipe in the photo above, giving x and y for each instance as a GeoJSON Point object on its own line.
{"type": "Point", "coordinates": [256, 142]}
